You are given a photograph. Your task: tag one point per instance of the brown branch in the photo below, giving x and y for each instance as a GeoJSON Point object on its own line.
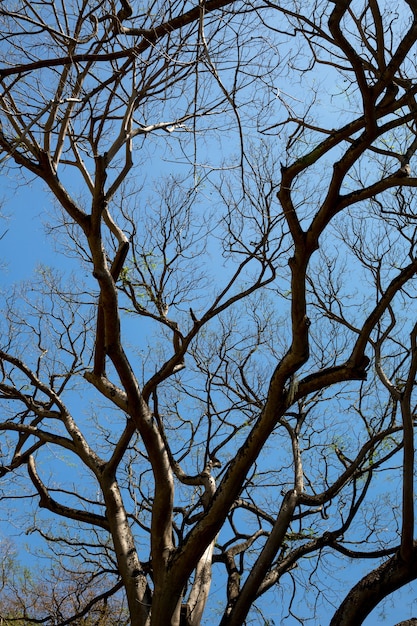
{"type": "Point", "coordinates": [408, 515]}
{"type": "Point", "coordinates": [99, 598]}
{"type": "Point", "coordinates": [354, 59]}
{"type": "Point", "coordinates": [351, 471]}
{"type": "Point", "coordinates": [149, 37]}
{"type": "Point", "coordinates": [374, 587]}
{"type": "Point", "coordinates": [46, 501]}
{"type": "Point", "coordinates": [258, 572]}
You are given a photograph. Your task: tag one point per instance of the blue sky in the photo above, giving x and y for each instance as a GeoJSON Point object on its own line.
{"type": "Point", "coordinates": [25, 244]}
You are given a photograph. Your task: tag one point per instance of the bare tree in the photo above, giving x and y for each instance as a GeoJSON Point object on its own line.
{"type": "Point", "coordinates": [232, 390]}
{"type": "Point", "coordinates": [26, 593]}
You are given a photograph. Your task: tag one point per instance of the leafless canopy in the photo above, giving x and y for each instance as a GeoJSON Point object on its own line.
{"type": "Point", "coordinates": [224, 386]}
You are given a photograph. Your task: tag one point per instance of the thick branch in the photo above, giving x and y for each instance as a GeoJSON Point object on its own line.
{"type": "Point", "coordinates": [46, 501]}
{"type": "Point", "coordinates": [407, 530]}
{"type": "Point", "coordinates": [257, 574]}
{"type": "Point", "coordinates": [373, 588]}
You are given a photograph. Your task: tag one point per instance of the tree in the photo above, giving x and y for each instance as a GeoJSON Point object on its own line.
{"type": "Point", "coordinates": [31, 595]}
{"type": "Point", "coordinates": [228, 375]}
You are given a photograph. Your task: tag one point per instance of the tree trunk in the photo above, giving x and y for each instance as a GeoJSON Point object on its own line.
{"type": "Point", "coordinates": [201, 587]}
{"type": "Point", "coordinates": [130, 569]}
